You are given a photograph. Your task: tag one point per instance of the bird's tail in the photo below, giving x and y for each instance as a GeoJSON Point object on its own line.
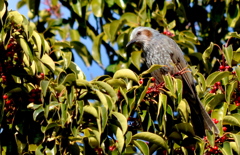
{"type": "Point", "coordinates": [207, 120]}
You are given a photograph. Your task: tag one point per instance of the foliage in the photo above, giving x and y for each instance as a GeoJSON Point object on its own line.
{"type": "Point", "coordinates": [48, 106]}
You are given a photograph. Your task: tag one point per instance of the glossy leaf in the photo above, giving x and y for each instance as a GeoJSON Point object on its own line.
{"type": "Point", "coordinates": [151, 137]}
{"type": "Point", "coordinates": [97, 7]}
{"type": "Point", "coordinates": [142, 146]}
{"type": "Point", "coordinates": [228, 52]}
{"type": "Point", "coordinates": [126, 73]}
{"type": "Point", "coordinates": [122, 120]}
{"type": "Point", "coordinates": [76, 6]}
{"type": "Point", "coordinates": [96, 48]}
{"type": "Point", "coordinates": [215, 77]}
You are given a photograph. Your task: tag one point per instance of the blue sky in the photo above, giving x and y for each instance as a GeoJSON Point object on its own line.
{"type": "Point", "coordinates": [90, 72]}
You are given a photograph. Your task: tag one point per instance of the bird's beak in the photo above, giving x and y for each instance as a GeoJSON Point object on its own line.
{"type": "Point", "coordinates": [131, 42]}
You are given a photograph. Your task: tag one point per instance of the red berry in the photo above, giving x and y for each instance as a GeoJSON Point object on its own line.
{"type": "Point", "coordinates": [217, 83]}
{"type": "Point", "coordinates": [213, 91]}
{"type": "Point", "coordinates": [215, 87]}
{"type": "Point", "coordinates": [5, 96]}
{"type": "Point", "coordinates": [153, 79]}
{"type": "Point", "coordinates": [221, 67]}
{"type": "Point", "coordinates": [42, 75]}
{"type": "Point", "coordinates": [31, 100]}
{"type": "Point", "coordinates": [141, 81]}
{"type": "Point", "coordinates": [8, 102]}
{"type": "Point", "coordinates": [222, 139]}
{"type": "Point", "coordinates": [233, 72]}
{"type": "Point", "coordinates": [215, 148]}
{"type": "Point", "coordinates": [112, 148]}
{"type": "Point", "coordinates": [224, 128]}
{"type": "Point", "coordinates": [211, 150]}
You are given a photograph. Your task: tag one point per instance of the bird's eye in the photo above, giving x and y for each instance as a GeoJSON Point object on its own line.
{"type": "Point", "coordinates": [138, 33]}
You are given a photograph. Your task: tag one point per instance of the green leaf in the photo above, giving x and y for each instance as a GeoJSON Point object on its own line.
{"type": "Point", "coordinates": [33, 6]}
{"type": "Point", "coordinates": [23, 43]}
{"type": "Point", "coordinates": [67, 57]}
{"type": "Point", "coordinates": [91, 110]}
{"type": "Point", "coordinates": [126, 73]}
{"type": "Point", "coordinates": [212, 101]}
{"type": "Point", "coordinates": [128, 137]}
{"type": "Point", "coordinates": [119, 135]}
{"type": "Point", "coordinates": [228, 52]}
{"type": "Point", "coordinates": [210, 137]}
{"type": "Point", "coordinates": [162, 104]}
{"type": "Point", "coordinates": [136, 57]}
{"type": "Point", "coordinates": [185, 128]}
{"type": "Point", "coordinates": [237, 69]}
{"type": "Point", "coordinates": [69, 79]}
{"type": "Point", "coordinates": [76, 6]}
{"type": "Point", "coordinates": [120, 3]}
{"type": "Point", "coordinates": [230, 88]}
{"type": "Point", "coordinates": [215, 77]}
{"type": "Point", "coordinates": [82, 52]}
{"type": "Point", "coordinates": [188, 36]}
{"type": "Point", "coordinates": [122, 120]}
{"type": "Point", "coordinates": [183, 108]}
{"type": "Point", "coordinates": [47, 61]}
{"type": "Point", "coordinates": [96, 48]}
{"type": "Point", "coordinates": [44, 86]}
{"type": "Point", "coordinates": [102, 98]}
{"type": "Point", "coordinates": [74, 34]}
{"type": "Point", "coordinates": [169, 84]}
{"type": "Point", "coordinates": [234, 34]}
{"type": "Point", "coordinates": [236, 137]}
{"type": "Point", "coordinates": [37, 112]}
{"type": "Point", "coordinates": [206, 56]}
{"type": "Point", "coordinates": [226, 149]}
{"type": "Point", "coordinates": [131, 19]}
{"type": "Point", "coordinates": [232, 120]}
{"type": "Point", "coordinates": [97, 7]}
{"type": "Point", "coordinates": [3, 10]}
{"type": "Point", "coordinates": [38, 41]}
{"type": "Point", "coordinates": [151, 137]}
{"type": "Point", "coordinates": [151, 69]}
{"type": "Point", "coordinates": [109, 90]}
{"type": "Point", "coordinates": [142, 146]}
{"type": "Point", "coordinates": [77, 70]}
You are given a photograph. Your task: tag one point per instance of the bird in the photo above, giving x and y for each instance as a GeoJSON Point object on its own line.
{"type": "Point", "coordinates": [162, 50]}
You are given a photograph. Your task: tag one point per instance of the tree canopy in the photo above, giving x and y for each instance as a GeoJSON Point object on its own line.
{"type": "Point", "coordinates": [48, 106]}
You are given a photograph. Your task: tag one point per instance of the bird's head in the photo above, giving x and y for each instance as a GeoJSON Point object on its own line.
{"type": "Point", "coordinates": [142, 35]}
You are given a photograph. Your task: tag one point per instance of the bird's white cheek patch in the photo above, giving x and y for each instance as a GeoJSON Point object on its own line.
{"type": "Point", "coordinates": [147, 33]}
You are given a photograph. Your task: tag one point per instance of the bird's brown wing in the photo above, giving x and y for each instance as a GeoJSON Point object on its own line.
{"type": "Point", "coordinates": [181, 64]}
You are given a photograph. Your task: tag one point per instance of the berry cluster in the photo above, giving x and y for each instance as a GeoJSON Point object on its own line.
{"type": "Point", "coordinates": [216, 86]}
{"type": "Point", "coordinates": [9, 108]}
{"type": "Point", "coordinates": [215, 121]}
{"type": "Point", "coordinates": [35, 96]}
{"type": "Point", "coordinates": [9, 60]}
{"type": "Point", "coordinates": [168, 33]}
{"type": "Point", "coordinates": [215, 148]}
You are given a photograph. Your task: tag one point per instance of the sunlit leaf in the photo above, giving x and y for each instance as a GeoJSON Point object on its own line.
{"type": "Point", "coordinates": [151, 137]}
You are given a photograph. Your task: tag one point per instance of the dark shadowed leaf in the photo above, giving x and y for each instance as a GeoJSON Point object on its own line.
{"type": "Point", "coordinates": [76, 6]}
{"type": "Point", "coordinates": [82, 52]}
